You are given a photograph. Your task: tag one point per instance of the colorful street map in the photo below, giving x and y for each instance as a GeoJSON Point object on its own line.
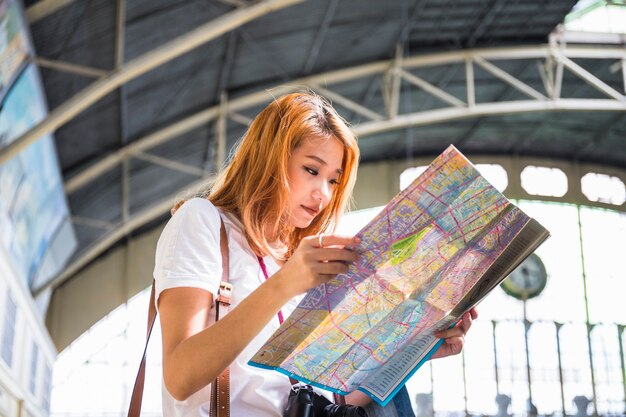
{"type": "Point", "coordinates": [435, 250]}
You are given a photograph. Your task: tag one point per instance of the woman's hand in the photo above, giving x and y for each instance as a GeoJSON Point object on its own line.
{"type": "Point", "coordinates": [455, 337]}
{"type": "Point", "coordinates": [316, 260]}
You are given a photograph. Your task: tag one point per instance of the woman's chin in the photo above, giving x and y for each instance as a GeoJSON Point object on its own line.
{"type": "Point", "coordinates": [301, 223]}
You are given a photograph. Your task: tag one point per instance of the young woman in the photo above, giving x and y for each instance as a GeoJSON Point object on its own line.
{"type": "Point", "coordinates": [288, 182]}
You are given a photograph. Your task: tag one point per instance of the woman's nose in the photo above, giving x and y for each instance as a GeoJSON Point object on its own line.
{"type": "Point", "coordinates": [322, 192]}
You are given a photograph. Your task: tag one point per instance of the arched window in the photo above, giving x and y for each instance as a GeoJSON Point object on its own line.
{"type": "Point", "coordinates": [544, 181]}
{"type": "Point", "coordinates": [603, 188]}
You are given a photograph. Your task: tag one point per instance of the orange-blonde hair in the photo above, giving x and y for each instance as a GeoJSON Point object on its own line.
{"type": "Point", "coordinates": [255, 186]}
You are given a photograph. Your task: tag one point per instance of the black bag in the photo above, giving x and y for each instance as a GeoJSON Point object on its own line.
{"type": "Point", "coordinates": [304, 402]}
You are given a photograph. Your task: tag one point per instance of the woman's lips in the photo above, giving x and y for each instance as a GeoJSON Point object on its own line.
{"type": "Point", "coordinates": [311, 211]}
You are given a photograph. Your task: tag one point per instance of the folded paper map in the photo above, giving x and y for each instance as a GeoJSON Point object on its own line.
{"type": "Point", "coordinates": [438, 248]}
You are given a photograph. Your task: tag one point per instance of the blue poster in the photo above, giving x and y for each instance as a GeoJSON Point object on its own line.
{"type": "Point", "coordinates": [33, 207]}
{"type": "Point", "coordinates": [14, 44]}
{"type": "Point", "coordinates": [22, 108]}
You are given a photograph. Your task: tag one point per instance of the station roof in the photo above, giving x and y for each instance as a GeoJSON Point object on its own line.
{"type": "Point", "coordinates": [329, 46]}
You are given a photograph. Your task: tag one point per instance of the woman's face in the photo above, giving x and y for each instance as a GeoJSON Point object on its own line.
{"type": "Point", "coordinates": [314, 170]}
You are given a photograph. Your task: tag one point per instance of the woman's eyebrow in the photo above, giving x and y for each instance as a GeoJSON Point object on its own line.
{"type": "Point", "coordinates": [321, 161]}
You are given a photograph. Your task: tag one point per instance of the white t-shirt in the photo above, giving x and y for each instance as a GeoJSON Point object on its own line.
{"type": "Point", "coordinates": [188, 255]}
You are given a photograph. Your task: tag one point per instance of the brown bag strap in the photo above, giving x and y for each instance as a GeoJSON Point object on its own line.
{"type": "Point", "coordinates": [223, 381]}
{"type": "Point", "coordinates": [220, 389]}
{"type": "Point", "coordinates": [134, 410]}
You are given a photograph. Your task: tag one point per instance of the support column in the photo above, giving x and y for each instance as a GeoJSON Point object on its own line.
{"type": "Point", "coordinates": [587, 319]}
{"type": "Point", "coordinates": [495, 356]}
{"type": "Point", "coordinates": [620, 341]}
{"type": "Point", "coordinates": [558, 352]}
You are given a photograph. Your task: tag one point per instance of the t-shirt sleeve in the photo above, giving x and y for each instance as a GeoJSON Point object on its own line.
{"type": "Point", "coordinates": [188, 251]}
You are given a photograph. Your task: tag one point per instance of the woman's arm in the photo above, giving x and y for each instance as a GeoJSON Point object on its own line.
{"type": "Point", "coordinates": [193, 355]}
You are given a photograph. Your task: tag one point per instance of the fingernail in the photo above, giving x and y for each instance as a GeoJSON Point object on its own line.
{"type": "Point", "coordinates": [357, 240]}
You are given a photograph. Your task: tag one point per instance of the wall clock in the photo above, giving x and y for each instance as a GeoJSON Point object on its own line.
{"type": "Point", "coordinates": [527, 280]}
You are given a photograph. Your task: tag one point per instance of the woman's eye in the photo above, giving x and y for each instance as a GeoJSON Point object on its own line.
{"type": "Point", "coordinates": [310, 171]}
{"type": "Point", "coordinates": [334, 182]}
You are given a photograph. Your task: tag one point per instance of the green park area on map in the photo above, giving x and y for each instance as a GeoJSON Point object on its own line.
{"type": "Point", "coordinates": [440, 246]}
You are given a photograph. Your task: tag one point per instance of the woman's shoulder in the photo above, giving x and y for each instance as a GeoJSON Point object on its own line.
{"type": "Point", "coordinates": [198, 207]}
{"type": "Point", "coordinates": [197, 212]}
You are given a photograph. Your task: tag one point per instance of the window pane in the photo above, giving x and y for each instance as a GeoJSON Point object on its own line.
{"type": "Point", "coordinates": [544, 362]}
{"type": "Point", "coordinates": [480, 369]}
{"type": "Point", "coordinates": [47, 378]}
{"type": "Point", "coordinates": [603, 188]}
{"type": "Point", "coordinates": [34, 364]}
{"type": "Point", "coordinates": [604, 234]}
{"type": "Point", "coordinates": [8, 336]}
{"type": "Point", "coordinates": [551, 182]}
{"type": "Point", "coordinates": [575, 360]}
{"type": "Point", "coordinates": [511, 353]}
{"type": "Point", "coordinates": [607, 369]}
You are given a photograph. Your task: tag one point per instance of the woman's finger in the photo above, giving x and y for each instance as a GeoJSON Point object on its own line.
{"type": "Point", "coordinates": [331, 268]}
{"type": "Point", "coordinates": [455, 331]}
{"type": "Point", "coordinates": [335, 254]}
{"type": "Point", "coordinates": [456, 344]}
{"type": "Point", "coordinates": [466, 322]}
{"type": "Point", "coordinates": [333, 240]}
{"type": "Point", "coordinates": [459, 340]}
{"type": "Point", "coordinates": [459, 330]}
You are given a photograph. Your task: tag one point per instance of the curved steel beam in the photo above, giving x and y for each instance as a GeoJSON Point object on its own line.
{"type": "Point", "coordinates": [44, 8]}
{"type": "Point", "coordinates": [459, 108]}
{"type": "Point", "coordinates": [486, 109]}
{"type": "Point", "coordinates": [138, 66]}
